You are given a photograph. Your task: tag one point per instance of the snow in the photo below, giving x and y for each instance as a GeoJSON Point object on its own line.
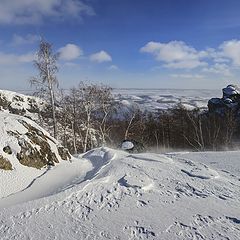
{"type": "Point", "coordinates": [231, 90]}
{"type": "Point", "coordinates": [28, 106]}
{"type": "Point", "coordinates": [17, 179]}
{"type": "Point", "coordinates": [147, 99]}
{"type": "Point", "coordinates": [162, 99]}
{"type": "Point", "coordinates": [111, 194]}
{"type": "Point", "coordinates": [21, 101]}
{"type": "Point", "coordinates": [51, 181]}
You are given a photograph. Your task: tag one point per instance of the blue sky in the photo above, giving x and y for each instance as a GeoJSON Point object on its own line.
{"type": "Point", "coordinates": [127, 43]}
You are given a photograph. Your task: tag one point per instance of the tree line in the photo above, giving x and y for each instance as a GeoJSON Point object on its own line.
{"type": "Point", "coordinates": [88, 116]}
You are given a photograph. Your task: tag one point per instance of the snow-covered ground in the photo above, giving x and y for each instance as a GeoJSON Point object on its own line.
{"type": "Point", "coordinates": [110, 194]}
{"type": "Point", "coordinates": [160, 99]}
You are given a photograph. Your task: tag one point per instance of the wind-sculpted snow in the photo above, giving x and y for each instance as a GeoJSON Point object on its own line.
{"type": "Point", "coordinates": [136, 196]}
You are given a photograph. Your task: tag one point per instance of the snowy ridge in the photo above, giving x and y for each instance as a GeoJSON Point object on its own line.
{"type": "Point", "coordinates": [134, 196]}
{"type": "Point", "coordinates": [19, 100]}
{"type": "Point", "coordinates": [21, 104]}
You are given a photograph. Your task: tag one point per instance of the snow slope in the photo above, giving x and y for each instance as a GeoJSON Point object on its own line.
{"type": "Point", "coordinates": [131, 196]}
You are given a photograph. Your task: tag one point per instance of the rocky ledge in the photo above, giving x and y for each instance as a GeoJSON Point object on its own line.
{"type": "Point", "coordinates": [24, 142]}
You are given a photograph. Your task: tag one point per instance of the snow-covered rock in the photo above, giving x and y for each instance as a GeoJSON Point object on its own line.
{"type": "Point", "coordinates": [24, 142]}
{"type": "Point", "coordinates": [229, 101]}
{"type": "Point", "coordinates": [132, 146]}
{"type": "Point", "coordinates": [21, 104]}
{"type": "Point", "coordinates": [26, 152]}
{"type": "Point", "coordinates": [231, 90]}
{"type": "Point", "coordinates": [127, 145]}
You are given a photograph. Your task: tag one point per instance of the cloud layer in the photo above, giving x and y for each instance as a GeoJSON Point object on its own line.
{"type": "Point", "coordinates": [222, 60]}
{"type": "Point", "coordinates": [24, 40]}
{"type": "Point", "coordinates": [14, 59]}
{"type": "Point", "coordinates": [36, 11]}
{"type": "Point", "coordinates": [231, 50]}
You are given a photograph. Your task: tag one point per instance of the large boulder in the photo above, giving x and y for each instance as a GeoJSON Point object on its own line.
{"type": "Point", "coordinates": [215, 103]}
{"type": "Point", "coordinates": [127, 145]}
{"type": "Point", "coordinates": [24, 142]}
{"type": "Point", "coordinates": [231, 91]}
{"type": "Point", "coordinates": [132, 146]}
{"type": "Point", "coordinates": [229, 101]}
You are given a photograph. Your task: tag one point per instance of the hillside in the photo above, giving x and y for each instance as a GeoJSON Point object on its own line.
{"type": "Point", "coordinates": [131, 196]}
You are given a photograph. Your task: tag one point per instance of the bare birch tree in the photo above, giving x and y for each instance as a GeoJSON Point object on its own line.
{"type": "Point", "coordinates": [46, 64]}
{"type": "Point", "coordinates": [197, 135]}
{"type": "Point", "coordinates": [130, 115]}
{"type": "Point", "coordinates": [88, 99]}
{"type": "Point", "coordinates": [106, 107]}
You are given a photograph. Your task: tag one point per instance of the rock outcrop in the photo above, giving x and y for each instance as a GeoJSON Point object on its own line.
{"type": "Point", "coordinates": [20, 104]}
{"type": "Point", "coordinates": [24, 142]}
{"type": "Point", "coordinates": [229, 101]}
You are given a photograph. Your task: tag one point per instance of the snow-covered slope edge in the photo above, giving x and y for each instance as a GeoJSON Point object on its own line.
{"type": "Point", "coordinates": [25, 148]}
{"type": "Point", "coordinates": [21, 104]}
{"type": "Point", "coordinates": [137, 196]}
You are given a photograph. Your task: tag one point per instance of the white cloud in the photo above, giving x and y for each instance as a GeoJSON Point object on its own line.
{"type": "Point", "coordinates": [169, 52]}
{"type": "Point", "coordinates": [186, 64]}
{"type": "Point", "coordinates": [70, 52]}
{"type": "Point", "coordinates": [215, 55]}
{"type": "Point", "coordinates": [187, 76]}
{"type": "Point", "coordinates": [24, 40]}
{"type": "Point", "coordinates": [14, 59]}
{"type": "Point", "coordinates": [231, 50]}
{"type": "Point", "coordinates": [113, 67]}
{"type": "Point", "coordinates": [219, 68]}
{"type": "Point", "coordinates": [220, 62]}
{"type": "Point", "coordinates": [36, 11]}
{"type": "Point", "coordinates": [100, 57]}
{"type": "Point", "coordinates": [175, 54]}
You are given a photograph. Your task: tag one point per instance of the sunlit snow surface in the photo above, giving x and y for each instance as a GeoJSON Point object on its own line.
{"type": "Point", "coordinates": [159, 99]}
{"type": "Point", "coordinates": [118, 195]}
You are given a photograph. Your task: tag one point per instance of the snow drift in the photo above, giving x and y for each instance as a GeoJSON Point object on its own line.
{"type": "Point", "coordinates": [135, 196]}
